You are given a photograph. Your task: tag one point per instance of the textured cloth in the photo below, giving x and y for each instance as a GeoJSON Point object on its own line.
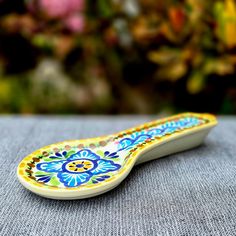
{"type": "Point", "coordinates": [190, 193]}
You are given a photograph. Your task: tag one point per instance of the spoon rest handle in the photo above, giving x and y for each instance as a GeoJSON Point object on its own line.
{"type": "Point", "coordinates": [175, 145]}
{"type": "Point", "coordinates": [165, 136]}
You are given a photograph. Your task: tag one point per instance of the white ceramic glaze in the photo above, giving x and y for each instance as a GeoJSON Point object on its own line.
{"type": "Point", "coordinates": [79, 169]}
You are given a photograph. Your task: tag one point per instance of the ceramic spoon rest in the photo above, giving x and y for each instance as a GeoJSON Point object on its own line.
{"type": "Point", "coordinates": [85, 168]}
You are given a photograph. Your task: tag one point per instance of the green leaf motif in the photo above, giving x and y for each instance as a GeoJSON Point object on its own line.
{"type": "Point", "coordinates": [54, 181]}
{"type": "Point", "coordinates": [100, 153]}
{"type": "Point", "coordinates": [52, 159]}
{"type": "Point", "coordinates": [70, 153]}
{"type": "Point", "coordinates": [42, 173]}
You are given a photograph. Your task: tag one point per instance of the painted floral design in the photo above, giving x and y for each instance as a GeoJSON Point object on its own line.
{"type": "Point", "coordinates": [72, 166]}
{"type": "Point", "coordinates": [78, 169]}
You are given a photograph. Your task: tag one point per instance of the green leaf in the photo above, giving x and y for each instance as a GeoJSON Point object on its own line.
{"type": "Point", "coordinates": [164, 56]}
{"type": "Point", "coordinates": [52, 159]}
{"type": "Point", "coordinates": [100, 153]}
{"type": "Point", "coordinates": [195, 83]}
{"type": "Point", "coordinates": [105, 8]}
{"type": "Point", "coordinates": [70, 153]}
{"type": "Point", "coordinates": [42, 173]}
{"type": "Point", "coordinates": [54, 181]}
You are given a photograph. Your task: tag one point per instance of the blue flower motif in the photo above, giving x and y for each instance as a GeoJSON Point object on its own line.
{"type": "Point", "coordinates": [78, 168]}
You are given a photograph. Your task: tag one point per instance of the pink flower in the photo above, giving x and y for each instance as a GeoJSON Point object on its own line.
{"type": "Point", "coordinates": [61, 8]}
{"type": "Point", "coordinates": [75, 23]}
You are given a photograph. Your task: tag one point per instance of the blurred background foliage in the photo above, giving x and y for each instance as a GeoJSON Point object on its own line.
{"type": "Point", "coordinates": [117, 56]}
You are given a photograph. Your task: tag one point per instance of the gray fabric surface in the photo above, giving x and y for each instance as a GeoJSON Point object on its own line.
{"type": "Point", "coordinates": [190, 193]}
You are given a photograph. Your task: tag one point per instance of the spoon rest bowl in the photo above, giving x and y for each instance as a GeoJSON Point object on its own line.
{"type": "Point", "coordinates": [85, 168]}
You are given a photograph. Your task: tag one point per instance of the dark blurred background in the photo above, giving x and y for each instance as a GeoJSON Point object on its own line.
{"type": "Point", "coordinates": [117, 56]}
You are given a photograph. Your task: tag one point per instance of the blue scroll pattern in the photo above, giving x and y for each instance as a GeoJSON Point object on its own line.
{"type": "Point", "coordinates": [169, 127]}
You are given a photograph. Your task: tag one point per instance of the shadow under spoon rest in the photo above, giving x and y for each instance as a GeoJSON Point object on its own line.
{"type": "Point", "coordinates": [85, 168]}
